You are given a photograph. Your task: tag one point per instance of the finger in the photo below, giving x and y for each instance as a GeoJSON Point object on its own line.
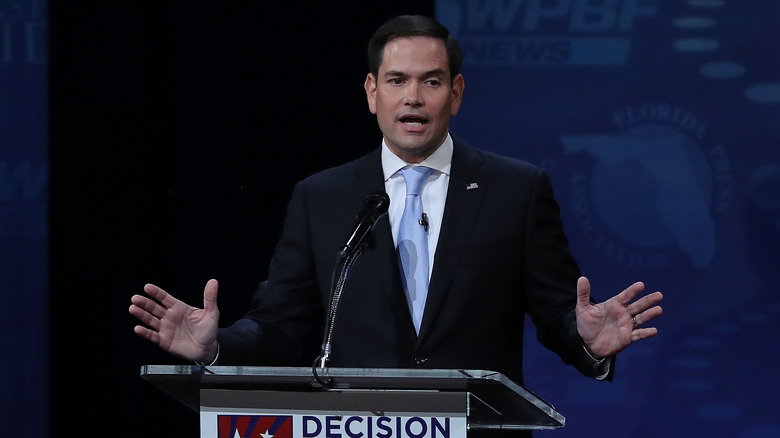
{"type": "Point", "coordinates": [148, 305]}
{"type": "Point", "coordinates": [210, 296]}
{"type": "Point", "coordinates": [630, 293]}
{"type": "Point", "coordinates": [583, 292]}
{"type": "Point", "coordinates": [147, 334]}
{"type": "Point", "coordinates": [647, 301]}
{"type": "Point", "coordinates": [145, 317]}
{"type": "Point", "coordinates": [643, 333]}
{"type": "Point", "coordinates": [160, 295]}
{"type": "Point", "coordinates": [648, 315]}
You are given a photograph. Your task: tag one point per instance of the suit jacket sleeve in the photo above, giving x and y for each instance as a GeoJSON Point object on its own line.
{"type": "Point", "coordinates": [551, 279]}
{"type": "Point", "coordinates": [283, 324]}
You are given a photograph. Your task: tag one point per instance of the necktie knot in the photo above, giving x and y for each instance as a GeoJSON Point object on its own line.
{"type": "Point", "coordinates": [415, 178]}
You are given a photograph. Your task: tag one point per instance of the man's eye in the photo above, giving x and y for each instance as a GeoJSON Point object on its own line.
{"type": "Point", "coordinates": [433, 82]}
{"type": "Point", "coordinates": [396, 81]}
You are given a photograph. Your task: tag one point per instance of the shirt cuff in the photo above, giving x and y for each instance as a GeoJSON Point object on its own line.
{"type": "Point", "coordinates": [213, 362]}
{"type": "Point", "coordinates": [601, 366]}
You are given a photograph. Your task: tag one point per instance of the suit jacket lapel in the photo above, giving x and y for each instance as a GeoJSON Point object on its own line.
{"type": "Point", "coordinates": [468, 183]}
{"type": "Point", "coordinates": [382, 259]}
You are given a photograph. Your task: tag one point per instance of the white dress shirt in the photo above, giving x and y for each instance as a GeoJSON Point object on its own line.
{"type": "Point", "coordinates": [434, 192]}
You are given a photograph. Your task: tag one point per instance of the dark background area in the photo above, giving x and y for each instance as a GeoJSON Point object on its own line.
{"type": "Point", "coordinates": [177, 130]}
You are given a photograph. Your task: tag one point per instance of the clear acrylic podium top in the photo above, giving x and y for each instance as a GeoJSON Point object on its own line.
{"type": "Point", "coordinates": [494, 401]}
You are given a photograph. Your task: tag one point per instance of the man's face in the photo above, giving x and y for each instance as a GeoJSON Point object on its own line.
{"type": "Point", "coordinates": [413, 97]}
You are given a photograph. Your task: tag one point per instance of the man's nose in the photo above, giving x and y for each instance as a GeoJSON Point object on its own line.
{"type": "Point", "coordinates": [414, 96]}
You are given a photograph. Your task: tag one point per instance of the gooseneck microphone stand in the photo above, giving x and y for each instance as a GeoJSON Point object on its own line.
{"type": "Point", "coordinates": [337, 287]}
{"type": "Point", "coordinates": [375, 206]}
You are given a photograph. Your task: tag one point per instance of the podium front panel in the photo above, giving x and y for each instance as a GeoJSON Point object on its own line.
{"type": "Point", "coordinates": [327, 414]}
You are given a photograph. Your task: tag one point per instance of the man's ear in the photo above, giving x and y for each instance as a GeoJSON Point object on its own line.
{"type": "Point", "coordinates": [457, 93]}
{"type": "Point", "coordinates": [370, 87]}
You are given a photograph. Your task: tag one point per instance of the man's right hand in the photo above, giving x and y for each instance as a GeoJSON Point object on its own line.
{"type": "Point", "coordinates": [179, 329]}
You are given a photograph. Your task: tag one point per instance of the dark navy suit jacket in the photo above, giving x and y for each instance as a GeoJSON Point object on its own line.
{"type": "Point", "coordinates": [501, 254]}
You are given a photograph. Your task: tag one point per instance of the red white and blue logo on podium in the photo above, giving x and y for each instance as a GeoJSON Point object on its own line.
{"type": "Point", "coordinates": [254, 426]}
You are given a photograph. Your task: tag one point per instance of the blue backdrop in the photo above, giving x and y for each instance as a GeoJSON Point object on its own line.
{"type": "Point", "coordinates": [23, 218]}
{"type": "Point", "coordinates": [659, 124]}
{"type": "Point", "coordinates": [657, 120]}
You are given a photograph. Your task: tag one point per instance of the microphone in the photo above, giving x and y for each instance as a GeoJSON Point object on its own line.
{"type": "Point", "coordinates": [374, 206]}
{"type": "Point", "coordinates": [424, 221]}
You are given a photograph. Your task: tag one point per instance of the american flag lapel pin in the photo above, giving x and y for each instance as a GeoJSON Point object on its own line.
{"type": "Point", "coordinates": [472, 186]}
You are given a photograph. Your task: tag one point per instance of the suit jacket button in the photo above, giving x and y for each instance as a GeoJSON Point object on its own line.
{"type": "Point", "coordinates": [420, 361]}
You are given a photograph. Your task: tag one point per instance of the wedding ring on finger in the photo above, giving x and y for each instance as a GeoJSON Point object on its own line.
{"type": "Point", "coordinates": [634, 321]}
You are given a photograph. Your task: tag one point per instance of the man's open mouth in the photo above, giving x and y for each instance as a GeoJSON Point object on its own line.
{"type": "Point", "coordinates": [413, 120]}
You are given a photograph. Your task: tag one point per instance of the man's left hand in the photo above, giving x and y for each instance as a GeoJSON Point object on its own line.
{"type": "Point", "coordinates": [609, 327]}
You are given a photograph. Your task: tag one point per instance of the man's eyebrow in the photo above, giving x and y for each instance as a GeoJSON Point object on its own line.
{"type": "Point", "coordinates": [429, 73]}
{"type": "Point", "coordinates": [435, 72]}
{"type": "Point", "coordinates": [394, 73]}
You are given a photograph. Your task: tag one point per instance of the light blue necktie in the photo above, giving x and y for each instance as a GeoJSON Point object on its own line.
{"type": "Point", "coordinates": [413, 243]}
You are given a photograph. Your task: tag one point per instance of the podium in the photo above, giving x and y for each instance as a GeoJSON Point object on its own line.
{"type": "Point", "coordinates": [355, 403]}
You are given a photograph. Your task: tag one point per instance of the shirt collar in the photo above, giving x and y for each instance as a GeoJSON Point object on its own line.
{"type": "Point", "coordinates": [440, 160]}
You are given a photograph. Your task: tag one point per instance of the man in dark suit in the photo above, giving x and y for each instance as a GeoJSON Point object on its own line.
{"type": "Point", "coordinates": [494, 237]}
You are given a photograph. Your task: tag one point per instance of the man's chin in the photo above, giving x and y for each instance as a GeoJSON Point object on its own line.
{"type": "Point", "coordinates": [413, 151]}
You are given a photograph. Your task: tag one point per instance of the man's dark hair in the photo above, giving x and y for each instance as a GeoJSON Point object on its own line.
{"type": "Point", "coordinates": [413, 26]}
